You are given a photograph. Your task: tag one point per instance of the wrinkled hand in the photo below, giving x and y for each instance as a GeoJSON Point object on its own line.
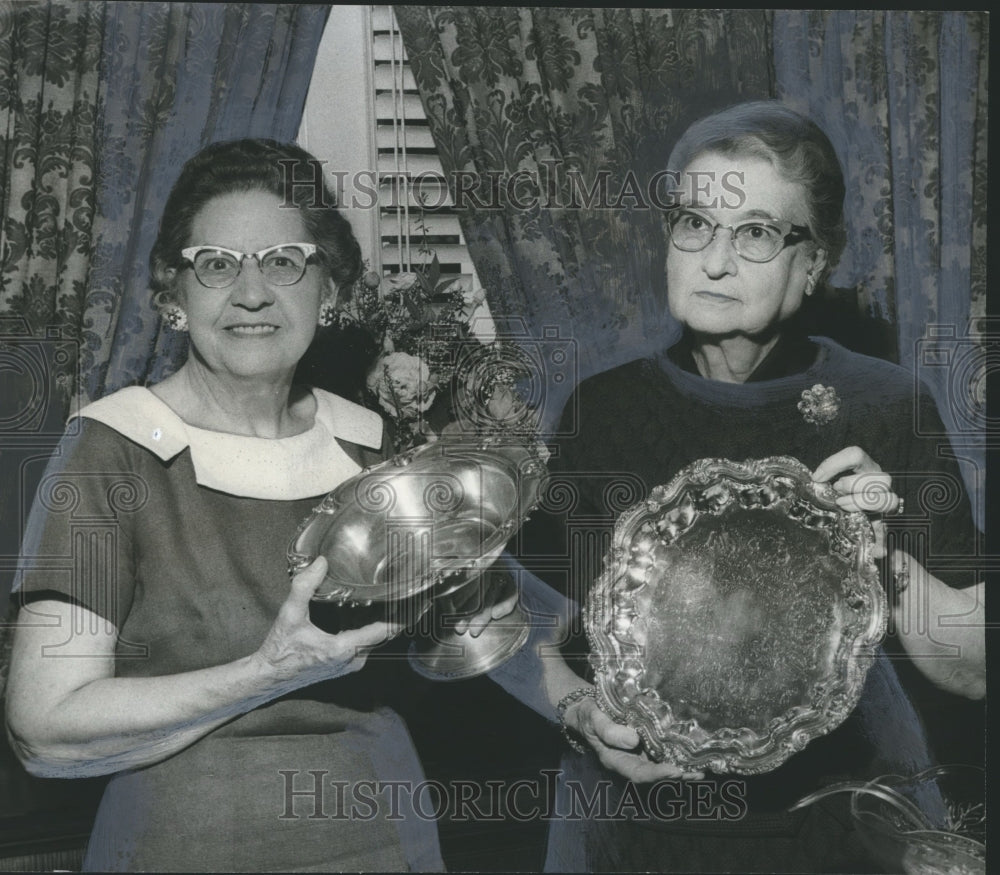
{"type": "Point", "coordinates": [296, 653]}
{"type": "Point", "coordinates": [499, 598]}
{"type": "Point", "coordinates": [618, 746]}
{"type": "Point", "coordinates": [861, 485]}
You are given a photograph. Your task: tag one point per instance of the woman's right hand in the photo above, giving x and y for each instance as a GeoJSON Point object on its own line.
{"type": "Point", "coordinates": [297, 653]}
{"type": "Point", "coordinates": [618, 746]}
{"type": "Point", "coordinates": [73, 718]}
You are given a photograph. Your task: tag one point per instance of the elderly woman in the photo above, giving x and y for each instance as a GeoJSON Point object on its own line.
{"type": "Point", "coordinates": [759, 222]}
{"type": "Point", "coordinates": [238, 735]}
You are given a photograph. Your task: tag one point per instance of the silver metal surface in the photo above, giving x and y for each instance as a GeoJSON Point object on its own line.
{"type": "Point", "coordinates": [419, 530]}
{"type": "Point", "coordinates": [736, 615]}
{"type": "Point", "coordinates": [435, 517]}
{"type": "Point", "coordinates": [446, 656]}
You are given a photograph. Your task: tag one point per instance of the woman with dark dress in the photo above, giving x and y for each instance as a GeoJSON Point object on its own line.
{"type": "Point", "coordinates": [759, 224]}
{"type": "Point", "coordinates": [159, 641]}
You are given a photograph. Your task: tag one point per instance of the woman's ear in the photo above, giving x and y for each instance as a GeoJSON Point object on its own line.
{"type": "Point", "coordinates": [815, 271]}
{"type": "Point", "coordinates": [819, 260]}
{"type": "Point", "coordinates": [164, 277]}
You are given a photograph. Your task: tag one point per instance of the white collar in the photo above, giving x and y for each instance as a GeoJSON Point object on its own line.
{"type": "Point", "coordinates": [304, 465]}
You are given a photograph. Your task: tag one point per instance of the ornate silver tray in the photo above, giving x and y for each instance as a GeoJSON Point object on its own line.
{"type": "Point", "coordinates": [433, 517]}
{"type": "Point", "coordinates": [736, 615]}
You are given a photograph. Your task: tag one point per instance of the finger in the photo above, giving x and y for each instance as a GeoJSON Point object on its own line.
{"type": "Point", "coordinates": [366, 638]}
{"type": "Point", "coordinates": [878, 547]}
{"type": "Point", "coordinates": [504, 607]}
{"type": "Point", "coordinates": [862, 482]}
{"type": "Point", "coordinates": [641, 769]}
{"type": "Point", "coordinates": [501, 609]}
{"type": "Point", "coordinates": [475, 624]}
{"type": "Point", "coordinates": [848, 459]}
{"type": "Point", "coordinates": [609, 732]}
{"type": "Point", "coordinates": [304, 585]}
{"type": "Point", "coordinates": [881, 502]}
{"type": "Point", "coordinates": [871, 492]}
{"type": "Point", "coordinates": [480, 621]}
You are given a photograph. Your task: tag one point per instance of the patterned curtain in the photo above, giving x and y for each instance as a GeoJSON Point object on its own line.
{"type": "Point", "coordinates": [551, 125]}
{"type": "Point", "coordinates": [176, 77]}
{"type": "Point", "coordinates": [100, 104]}
{"type": "Point", "coordinates": [903, 96]}
{"type": "Point", "coordinates": [49, 66]}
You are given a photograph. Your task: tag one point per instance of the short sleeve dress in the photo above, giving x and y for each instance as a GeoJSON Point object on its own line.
{"type": "Point", "coordinates": [177, 537]}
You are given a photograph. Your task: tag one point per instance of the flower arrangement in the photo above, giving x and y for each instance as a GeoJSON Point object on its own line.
{"type": "Point", "coordinates": [432, 373]}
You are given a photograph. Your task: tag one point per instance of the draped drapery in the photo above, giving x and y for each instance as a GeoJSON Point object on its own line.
{"type": "Point", "coordinates": [49, 135]}
{"type": "Point", "coordinates": [100, 105]}
{"type": "Point", "coordinates": [176, 77]}
{"type": "Point", "coordinates": [521, 100]}
{"type": "Point", "coordinates": [551, 125]}
{"type": "Point", "coordinates": [903, 97]}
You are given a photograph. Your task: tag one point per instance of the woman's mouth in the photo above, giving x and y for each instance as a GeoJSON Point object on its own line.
{"type": "Point", "coordinates": [252, 330]}
{"type": "Point", "coordinates": [715, 296]}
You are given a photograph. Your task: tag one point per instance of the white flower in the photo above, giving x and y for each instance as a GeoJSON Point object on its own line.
{"type": "Point", "coordinates": [402, 383]}
{"type": "Point", "coordinates": [472, 298]}
{"type": "Point", "coordinates": [505, 405]}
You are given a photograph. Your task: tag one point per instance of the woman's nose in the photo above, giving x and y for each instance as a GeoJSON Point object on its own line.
{"type": "Point", "coordinates": [250, 289]}
{"type": "Point", "coordinates": [720, 258]}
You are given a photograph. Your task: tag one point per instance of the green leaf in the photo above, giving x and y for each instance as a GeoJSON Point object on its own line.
{"type": "Point", "coordinates": [443, 286]}
{"type": "Point", "coordinates": [434, 272]}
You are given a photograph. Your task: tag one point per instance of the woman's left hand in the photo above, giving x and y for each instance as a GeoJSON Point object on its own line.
{"type": "Point", "coordinates": [859, 479]}
{"type": "Point", "coordinates": [619, 747]}
{"type": "Point", "coordinates": [861, 485]}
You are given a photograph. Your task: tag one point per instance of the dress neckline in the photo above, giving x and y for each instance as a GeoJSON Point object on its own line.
{"type": "Point", "coordinates": [307, 464]}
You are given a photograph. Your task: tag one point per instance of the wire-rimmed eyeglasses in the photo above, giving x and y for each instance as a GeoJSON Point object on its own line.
{"type": "Point", "coordinates": [755, 240]}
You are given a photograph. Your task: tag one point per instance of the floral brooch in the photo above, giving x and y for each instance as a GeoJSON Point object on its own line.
{"type": "Point", "coordinates": [819, 405]}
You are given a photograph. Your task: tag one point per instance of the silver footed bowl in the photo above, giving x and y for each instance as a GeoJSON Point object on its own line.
{"type": "Point", "coordinates": [424, 522]}
{"type": "Point", "coordinates": [736, 616]}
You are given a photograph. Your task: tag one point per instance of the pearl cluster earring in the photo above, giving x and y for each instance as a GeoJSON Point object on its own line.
{"type": "Point", "coordinates": [175, 318]}
{"type": "Point", "coordinates": [327, 314]}
{"type": "Point", "coordinates": [810, 282]}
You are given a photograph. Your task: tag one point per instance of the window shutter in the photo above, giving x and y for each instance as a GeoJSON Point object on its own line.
{"type": "Point", "coordinates": [408, 168]}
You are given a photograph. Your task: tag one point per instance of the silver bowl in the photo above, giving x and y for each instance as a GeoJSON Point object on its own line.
{"type": "Point", "coordinates": [417, 529]}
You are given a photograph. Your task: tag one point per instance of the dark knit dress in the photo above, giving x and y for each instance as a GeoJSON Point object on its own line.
{"type": "Point", "coordinates": [634, 427]}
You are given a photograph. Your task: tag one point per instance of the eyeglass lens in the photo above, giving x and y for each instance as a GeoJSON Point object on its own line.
{"type": "Point", "coordinates": [755, 241]}
{"type": "Point", "coordinates": [281, 267]}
